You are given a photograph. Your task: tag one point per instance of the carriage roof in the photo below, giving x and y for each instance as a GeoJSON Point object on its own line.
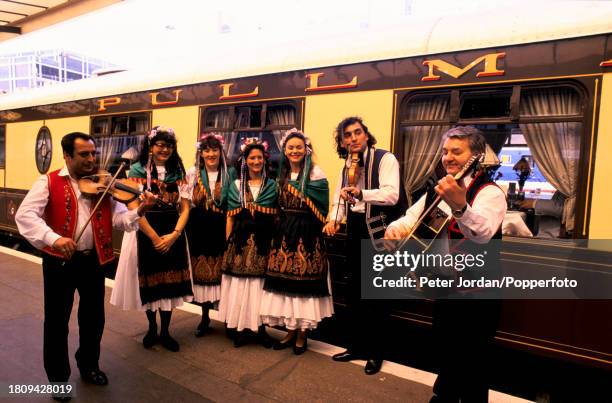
{"type": "Point", "coordinates": [542, 21]}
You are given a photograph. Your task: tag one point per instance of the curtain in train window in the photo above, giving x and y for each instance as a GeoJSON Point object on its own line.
{"type": "Point", "coordinates": [279, 118]}
{"type": "Point", "coordinates": [280, 115]}
{"type": "Point", "coordinates": [125, 141]}
{"type": "Point", "coordinates": [217, 119]}
{"type": "Point", "coordinates": [555, 146]}
{"type": "Point", "coordinates": [422, 143]}
{"type": "Point", "coordinates": [2, 146]}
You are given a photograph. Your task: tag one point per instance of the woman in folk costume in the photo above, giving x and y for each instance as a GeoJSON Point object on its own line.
{"type": "Point", "coordinates": [252, 210]}
{"type": "Point", "coordinates": [209, 181]}
{"type": "Point", "coordinates": [296, 289]}
{"type": "Point", "coordinates": [153, 270]}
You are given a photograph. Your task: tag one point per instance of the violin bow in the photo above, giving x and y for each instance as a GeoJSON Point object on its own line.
{"type": "Point", "coordinates": [111, 183]}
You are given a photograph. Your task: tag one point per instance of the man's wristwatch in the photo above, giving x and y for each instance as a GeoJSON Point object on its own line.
{"type": "Point", "coordinates": [459, 213]}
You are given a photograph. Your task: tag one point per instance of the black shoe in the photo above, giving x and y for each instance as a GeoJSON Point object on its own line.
{"type": "Point", "coordinates": [241, 339]}
{"type": "Point", "coordinates": [345, 356]}
{"type": "Point", "coordinates": [280, 345]}
{"type": "Point", "coordinates": [150, 339]}
{"type": "Point", "coordinates": [373, 366]}
{"type": "Point", "coordinates": [61, 398]}
{"type": "Point", "coordinates": [203, 327]}
{"type": "Point", "coordinates": [230, 332]}
{"type": "Point", "coordinates": [299, 350]}
{"type": "Point", "coordinates": [169, 343]}
{"type": "Point", "coordinates": [264, 338]}
{"type": "Point", "coordinates": [94, 376]}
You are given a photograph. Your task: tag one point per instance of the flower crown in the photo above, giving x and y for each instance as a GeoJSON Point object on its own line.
{"type": "Point", "coordinates": [247, 141]}
{"type": "Point", "coordinates": [154, 132]}
{"type": "Point", "coordinates": [204, 136]}
{"type": "Point", "coordinates": [289, 133]}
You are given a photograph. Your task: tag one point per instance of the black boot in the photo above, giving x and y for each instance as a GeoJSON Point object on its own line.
{"type": "Point", "coordinates": [263, 337]}
{"type": "Point", "coordinates": [164, 335]}
{"type": "Point", "coordinates": [204, 325]}
{"type": "Point", "coordinates": [151, 338]}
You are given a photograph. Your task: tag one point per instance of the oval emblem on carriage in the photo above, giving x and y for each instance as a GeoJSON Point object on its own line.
{"type": "Point", "coordinates": [43, 150]}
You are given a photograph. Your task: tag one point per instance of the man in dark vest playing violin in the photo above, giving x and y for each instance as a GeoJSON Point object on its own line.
{"type": "Point", "coordinates": [50, 217]}
{"type": "Point", "coordinates": [369, 185]}
{"type": "Point", "coordinates": [464, 325]}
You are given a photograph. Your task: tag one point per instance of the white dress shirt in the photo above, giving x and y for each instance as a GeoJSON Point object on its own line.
{"type": "Point", "coordinates": [387, 193]}
{"type": "Point", "coordinates": [30, 217]}
{"type": "Point", "coordinates": [479, 222]}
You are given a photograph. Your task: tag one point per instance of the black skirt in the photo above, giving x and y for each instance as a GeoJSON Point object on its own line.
{"type": "Point", "coordinates": [163, 276]}
{"type": "Point", "coordinates": [298, 263]}
{"type": "Point", "coordinates": [206, 234]}
{"type": "Point", "coordinates": [248, 246]}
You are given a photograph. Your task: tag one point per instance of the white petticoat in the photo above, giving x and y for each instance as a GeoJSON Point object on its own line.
{"type": "Point", "coordinates": [206, 293]}
{"type": "Point", "coordinates": [126, 292]}
{"type": "Point", "coordinates": [295, 312]}
{"type": "Point", "coordinates": [240, 302]}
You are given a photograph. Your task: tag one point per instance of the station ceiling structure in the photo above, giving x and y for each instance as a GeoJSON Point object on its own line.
{"type": "Point", "coordinates": [19, 17]}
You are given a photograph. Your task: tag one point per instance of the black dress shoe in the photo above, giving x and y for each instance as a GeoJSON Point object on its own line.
{"type": "Point", "coordinates": [241, 338]}
{"type": "Point", "coordinates": [373, 366]}
{"type": "Point", "coordinates": [150, 339]}
{"type": "Point", "coordinates": [94, 376]}
{"type": "Point", "coordinates": [264, 338]}
{"type": "Point", "coordinates": [345, 356]}
{"type": "Point", "coordinates": [279, 345]}
{"type": "Point", "coordinates": [203, 327]}
{"type": "Point", "coordinates": [299, 350]}
{"type": "Point", "coordinates": [169, 343]}
{"type": "Point", "coordinates": [61, 398]}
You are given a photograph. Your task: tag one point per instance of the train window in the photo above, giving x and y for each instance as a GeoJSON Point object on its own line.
{"type": "Point", "coordinates": [2, 146]}
{"type": "Point", "coordinates": [535, 132]}
{"type": "Point", "coordinates": [44, 150]}
{"type": "Point", "coordinates": [119, 138]}
{"type": "Point", "coordinates": [217, 119]}
{"type": "Point", "coordinates": [266, 121]}
{"type": "Point", "coordinates": [248, 117]}
{"type": "Point", "coordinates": [424, 118]}
{"type": "Point", "coordinates": [556, 101]}
{"type": "Point", "coordinates": [280, 115]}
{"type": "Point", "coordinates": [485, 104]}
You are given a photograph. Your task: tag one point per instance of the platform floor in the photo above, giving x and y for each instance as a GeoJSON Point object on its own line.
{"type": "Point", "coordinates": [205, 369]}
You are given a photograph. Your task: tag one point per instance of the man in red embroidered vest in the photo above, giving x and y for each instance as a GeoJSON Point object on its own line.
{"type": "Point", "coordinates": [51, 215]}
{"type": "Point", "coordinates": [463, 327]}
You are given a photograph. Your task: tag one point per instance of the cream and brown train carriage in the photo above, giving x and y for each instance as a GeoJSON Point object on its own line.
{"type": "Point", "coordinates": [540, 89]}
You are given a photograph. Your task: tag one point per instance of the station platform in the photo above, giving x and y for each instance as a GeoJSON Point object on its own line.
{"type": "Point", "coordinates": [205, 369]}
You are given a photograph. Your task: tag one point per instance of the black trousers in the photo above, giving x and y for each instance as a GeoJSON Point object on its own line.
{"type": "Point", "coordinates": [368, 318]}
{"type": "Point", "coordinates": [463, 331]}
{"type": "Point", "coordinates": [82, 273]}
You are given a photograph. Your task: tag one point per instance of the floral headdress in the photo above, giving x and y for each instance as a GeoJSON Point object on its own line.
{"type": "Point", "coordinates": [248, 141]}
{"type": "Point", "coordinates": [295, 133]}
{"type": "Point", "coordinates": [157, 129]}
{"type": "Point", "coordinates": [300, 135]}
{"type": "Point", "coordinates": [222, 162]}
{"type": "Point", "coordinates": [154, 131]}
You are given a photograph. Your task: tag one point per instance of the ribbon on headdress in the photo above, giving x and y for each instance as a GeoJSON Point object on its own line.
{"type": "Point", "coordinates": [307, 157]}
{"type": "Point", "coordinates": [247, 141]}
{"type": "Point", "coordinates": [222, 163]}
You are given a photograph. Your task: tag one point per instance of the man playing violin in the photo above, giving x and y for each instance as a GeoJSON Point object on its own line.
{"type": "Point", "coordinates": [370, 187]}
{"type": "Point", "coordinates": [463, 327]}
{"type": "Point", "coordinates": [51, 215]}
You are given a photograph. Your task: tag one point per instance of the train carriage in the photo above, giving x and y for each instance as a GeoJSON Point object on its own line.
{"type": "Point", "coordinates": [541, 92]}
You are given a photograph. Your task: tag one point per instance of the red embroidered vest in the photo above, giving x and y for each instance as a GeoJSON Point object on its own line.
{"type": "Point", "coordinates": [61, 215]}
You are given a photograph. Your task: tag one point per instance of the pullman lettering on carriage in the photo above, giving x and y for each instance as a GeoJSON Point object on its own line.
{"type": "Point", "coordinates": [487, 65]}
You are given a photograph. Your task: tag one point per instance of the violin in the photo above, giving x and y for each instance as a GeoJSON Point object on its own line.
{"type": "Point", "coordinates": [122, 190]}
{"type": "Point", "coordinates": [353, 176]}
